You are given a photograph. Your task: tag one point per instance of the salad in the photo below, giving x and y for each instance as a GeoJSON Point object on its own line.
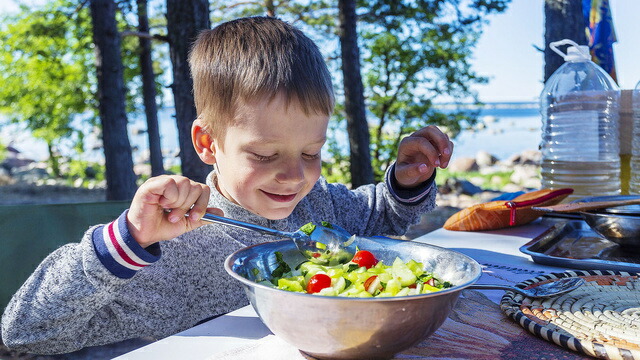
{"type": "Point", "coordinates": [364, 276]}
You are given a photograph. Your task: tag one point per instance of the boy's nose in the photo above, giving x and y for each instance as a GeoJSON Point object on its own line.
{"type": "Point", "coordinates": [291, 171]}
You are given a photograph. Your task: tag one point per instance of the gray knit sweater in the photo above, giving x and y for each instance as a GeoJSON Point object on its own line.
{"type": "Point", "coordinates": [81, 295]}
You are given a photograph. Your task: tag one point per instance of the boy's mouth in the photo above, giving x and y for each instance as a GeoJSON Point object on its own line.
{"type": "Point", "coordinates": [280, 197]}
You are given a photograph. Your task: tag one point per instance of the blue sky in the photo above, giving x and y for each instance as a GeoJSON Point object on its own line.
{"type": "Point", "coordinates": [507, 56]}
{"type": "Point", "coordinates": [506, 53]}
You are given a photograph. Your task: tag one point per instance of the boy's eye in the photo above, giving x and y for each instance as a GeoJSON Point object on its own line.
{"type": "Point", "coordinates": [263, 157]}
{"type": "Point", "coordinates": [311, 156]}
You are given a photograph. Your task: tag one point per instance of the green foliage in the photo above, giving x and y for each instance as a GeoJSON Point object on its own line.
{"type": "Point", "coordinates": [490, 181]}
{"type": "Point", "coordinates": [415, 51]}
{"type": "Point", "coordinates": [3, 151]}
{"type": "Point", "coordinates": [174, 169]}
{"type": "Point", "coordinates": [412, 52]}
{"type": "Point", "coordinates": [45, 69]}
{"type": "Point", "coordinates": [88, 172]}
{"type": "Point", "coordinates": [48, 73]}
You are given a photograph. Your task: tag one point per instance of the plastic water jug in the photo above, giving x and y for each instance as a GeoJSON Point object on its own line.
{"type": "Point", "coordinates": [580, 139]}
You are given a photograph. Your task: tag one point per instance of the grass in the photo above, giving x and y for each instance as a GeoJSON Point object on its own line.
{"type": "Point", "coordinates": [490, 181]}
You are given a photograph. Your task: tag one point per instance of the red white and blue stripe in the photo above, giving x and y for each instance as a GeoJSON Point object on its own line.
{"type": "Point", "coordinates": [118, 250]}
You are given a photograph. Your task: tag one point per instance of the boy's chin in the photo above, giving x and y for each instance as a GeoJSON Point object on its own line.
{"type": "Point", "coordinates": [276, 215]}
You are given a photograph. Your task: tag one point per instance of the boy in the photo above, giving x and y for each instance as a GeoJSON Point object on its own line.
{"type": "Point", "coordinates": [264, 97]}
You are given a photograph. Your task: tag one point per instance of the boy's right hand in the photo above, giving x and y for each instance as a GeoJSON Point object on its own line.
{"type": "Point", "coordinates": [148, 219]}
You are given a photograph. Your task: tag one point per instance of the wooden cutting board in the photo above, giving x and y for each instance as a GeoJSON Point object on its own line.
{"type": "Point", "coordinates": [585, 206]}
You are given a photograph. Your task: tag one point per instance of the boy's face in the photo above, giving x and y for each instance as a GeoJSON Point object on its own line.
{"type": "Point", "coordinates": [270, 159]}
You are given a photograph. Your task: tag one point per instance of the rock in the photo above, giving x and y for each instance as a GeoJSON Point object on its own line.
{"type": "Point", "coordinates": [30, 173]}
{"type": "Point", "coordinates": [527, 157]}
{"type": "Point", "coordinates": [142, 157]}
{"type": "Point", "coordinates": [5, 179]}
{"type": "Point", "coordinates": [457, 186]}
{"type": "Point", "coordinates": [496, 180]}
{"type": "Point", "coordinates": [96, 146]}
{"type": "Point", "coordinates": [477, 181]}
{"type": "Point", "coordinates": [489, 119]}
{"type": "Point", "coordinates": [90, 172]}
{"type": "Point", "coordinates": [532, 183]}
{"type": "Point", "coordinates": [463, 164]}
{"type": "Point", "coordinates": [523, 174]}
{"type": "Point", "coordinates": [531, 157]}
{"type": "Point", "coordinates": [142, 169]}
{"type": "Point", "coordinates": [512, 188]}
{"type": "Point", "coordinates": [484, 159]}
{"type": "Point", "coordinates": [12, 163]}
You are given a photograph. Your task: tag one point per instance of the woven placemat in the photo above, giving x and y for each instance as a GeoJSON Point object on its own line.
{"type": "Point", "coordinates": [601, 318]}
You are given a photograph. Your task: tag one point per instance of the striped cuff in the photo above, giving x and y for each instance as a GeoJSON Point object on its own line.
{"type": "Point", "coordinates": [119, 252]}
{"type": "Point", "coordinates": [413, 196]}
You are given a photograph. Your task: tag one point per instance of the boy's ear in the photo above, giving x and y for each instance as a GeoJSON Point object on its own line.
{"type": "Point", "coordinates": [202, 142]}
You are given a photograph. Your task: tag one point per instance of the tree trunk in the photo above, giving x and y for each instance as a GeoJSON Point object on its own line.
{"type": "Point", "coordinates": [185, 19]}
{"type": "Point", "coordinates": [149, 92]}
{"type": "Point", "coordinates": [357, 126]}
{"type": "Point", "coordinates": [121, 180]}
{"type": "Point", "coordinates": [54, 160]}
{"type": "Point", "coordinates": [563, 20]}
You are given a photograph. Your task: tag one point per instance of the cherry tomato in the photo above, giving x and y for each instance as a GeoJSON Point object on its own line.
{"type": "Point", "coordinates": [318, 282]}
{"type": "Point", "coordinates": [364, 258]}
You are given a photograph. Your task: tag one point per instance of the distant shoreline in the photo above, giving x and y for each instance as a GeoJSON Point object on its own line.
{"type": "Point", "coordinates": [489, 105]}
{"type": "Point", "coordinates": [504, 122]}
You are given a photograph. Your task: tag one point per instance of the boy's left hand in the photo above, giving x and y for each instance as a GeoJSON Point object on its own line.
{"type": "Point", "coordinates": [420, 153]}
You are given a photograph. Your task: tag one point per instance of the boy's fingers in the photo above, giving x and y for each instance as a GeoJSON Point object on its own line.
{"type": "Point", "coordinates": [200, 205]}
{"type": "Point", "coordinates": [210, 210]}
{"type": "Point", "coordinates": [191, 196]}
{"type": "Point", "coordinates": [446, 156]}
{"type": "Point", "coordinates": [439, 141]}
{"type": "Point", "coordinates": [435, 136]}
{"type": "Point", "coordinates": [215, 211]}
{"type": "Point", "coordinates": [413, 171]}
{"type": "Point", "coordinates": [416, 149]}
{"type": "Point", "coordinates": [437, 153]}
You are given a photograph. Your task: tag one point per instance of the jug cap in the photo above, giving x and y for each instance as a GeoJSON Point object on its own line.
{"type": "Point", "coordinates": [575, 52]}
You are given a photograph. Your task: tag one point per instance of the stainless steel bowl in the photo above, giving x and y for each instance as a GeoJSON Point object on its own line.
{"type": "Point", "coordinates": [618, 224]}
{"type": "Point", "coordinates": [350, 328]}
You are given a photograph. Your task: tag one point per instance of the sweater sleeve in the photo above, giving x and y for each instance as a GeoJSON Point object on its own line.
{"type": "Point", "coordinates": [90, 293]}
{"type": "Point", "coordinates": [119, 252]}
{"type": "Point", "coordinates": [408, 196]}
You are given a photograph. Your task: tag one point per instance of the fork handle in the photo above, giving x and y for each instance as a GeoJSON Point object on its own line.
{"type": "Point", "coordinates": [243, 225]}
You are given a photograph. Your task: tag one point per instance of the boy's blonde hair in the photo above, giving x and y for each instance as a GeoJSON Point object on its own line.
{"type": "Point", "coordinates": [253, 58]}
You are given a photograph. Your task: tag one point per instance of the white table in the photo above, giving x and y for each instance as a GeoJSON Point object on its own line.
{"type": "Point", "coordinates": [243, 327]}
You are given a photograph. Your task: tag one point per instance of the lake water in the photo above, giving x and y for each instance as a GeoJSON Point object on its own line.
{"type": "Point", "coordinates": [508, 129]}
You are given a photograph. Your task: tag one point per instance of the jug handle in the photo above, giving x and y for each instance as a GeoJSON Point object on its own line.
{"type": "Point", "coordinates": [554, 46]}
